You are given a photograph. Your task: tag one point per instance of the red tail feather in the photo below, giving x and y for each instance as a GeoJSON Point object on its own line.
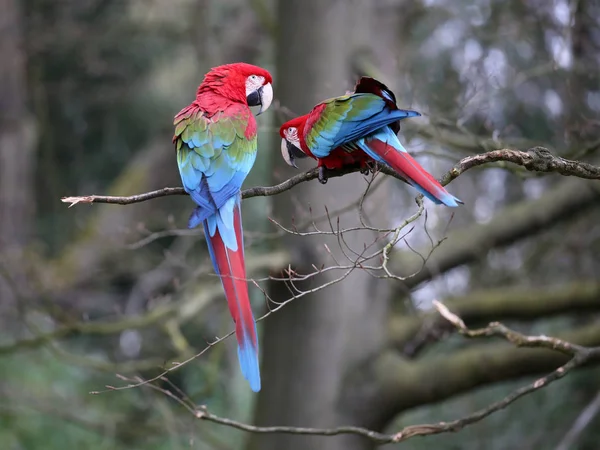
{"type": "Point", "coordinates": [233, 275]}
{"type": "Point", "coordinates": [407, 167]}
{"type": "Point", "coordinates": [232, 269]}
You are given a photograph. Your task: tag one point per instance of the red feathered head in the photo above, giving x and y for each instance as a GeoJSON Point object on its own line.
{"type": "Point", "coordinates": [239, 82]}
{"type": "Point", "coordinates": [290, 132]}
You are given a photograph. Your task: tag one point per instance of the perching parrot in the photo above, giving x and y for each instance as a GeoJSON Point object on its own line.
{"type": "Point", "coordinates": [216, 144]}
{"type": "Point", "coordinates": [355, 129]}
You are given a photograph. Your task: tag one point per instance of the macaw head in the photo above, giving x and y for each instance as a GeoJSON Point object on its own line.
{"type": "Point", "coordinates": [240, 82]}
{"type": "Point", "coordinates": [290, 133]}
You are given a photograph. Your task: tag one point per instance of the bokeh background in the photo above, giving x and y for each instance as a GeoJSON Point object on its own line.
{"type": "Point", "coordinates": [91, 294]}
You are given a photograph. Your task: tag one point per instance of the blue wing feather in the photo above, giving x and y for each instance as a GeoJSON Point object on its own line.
{"type": "Point", "coordinates": [209, 173]}
{"type": "Point", "coordinates": [342, 121]}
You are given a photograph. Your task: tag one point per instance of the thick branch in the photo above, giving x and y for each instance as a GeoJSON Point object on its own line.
{"type": "Point", "coordinates": [536, 159]}
{"type": "Point", "coordinates": [411, 333]}
{"type": "Point", "coordinates": [579, 356]}
{"type": "Point", "coordinates": [404, 384]}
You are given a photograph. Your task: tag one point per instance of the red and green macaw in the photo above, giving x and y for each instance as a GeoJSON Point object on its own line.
{"type": "Point", "coordinates": [356, 129]}
{"type": "Point", "coordinates": [216, 144]}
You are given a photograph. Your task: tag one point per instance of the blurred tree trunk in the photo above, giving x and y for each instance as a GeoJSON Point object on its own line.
{"type": "Point", "coordinates": [311, 345]}
{"type": "Point", "coordinates": [16, 143]}
{"type": "Point", "coordinates": [17, 147]}
{"type": "Point", "coordinates": [583, 75]}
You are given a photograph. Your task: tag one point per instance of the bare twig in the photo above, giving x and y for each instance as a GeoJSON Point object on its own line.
{"type": "Point", "coordinates": [203, 414]}
{"type": "Point", "coordinates": [536, 159]}
{"type": "Point", "coordinates": [124, 200]}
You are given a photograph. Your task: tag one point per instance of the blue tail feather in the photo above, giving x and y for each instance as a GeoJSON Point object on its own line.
{"type": "Point", "coordinates": [224, 222]}
{"type": "Point", "coordinates": [248, 356]}
{"type": "Point", "coordinates": [198, 216]}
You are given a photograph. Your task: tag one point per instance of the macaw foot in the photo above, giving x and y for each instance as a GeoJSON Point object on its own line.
{"type": "Point", "coordinates": [371, 167]}
{"type": "Point", "coordinates": [323, 175]}
{"type": "Point", "coordinates": [365, 170]}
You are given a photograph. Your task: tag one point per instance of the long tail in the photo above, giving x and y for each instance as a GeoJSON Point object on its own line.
{"type": "Point", "coordinates": [385, 147]}
{"type": "Point", "coordinates": [226, 247]}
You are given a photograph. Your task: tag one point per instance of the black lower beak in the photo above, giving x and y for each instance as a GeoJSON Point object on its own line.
{"type": "Point", "coordinates": [255, 97]}
{"type": "Point", "coordinates": [291, 148]}
{"type": "Point", "coordinates": [295, 153]}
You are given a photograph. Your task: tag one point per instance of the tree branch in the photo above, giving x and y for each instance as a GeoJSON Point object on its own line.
{"type": "Point", "coordinates": [536, 159]}
{"type": "Point", "coordinates": [411, 333]}
{"type": "Point", "coordinates": [258, 191]}
{"type": "Point", "coordinates": [203, 414]}
{"type": "Point", "coordinates": [579, 355]}
{"type": "Point", "coordinates": [402, 384]}
{"type": "Point", "coordinates": [516, 338]}
{"type": "Point", "coordinates": [164, 192]}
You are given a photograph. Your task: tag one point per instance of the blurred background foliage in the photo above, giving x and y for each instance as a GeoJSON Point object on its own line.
{"type": "Point", "coordinates": [88, 90]}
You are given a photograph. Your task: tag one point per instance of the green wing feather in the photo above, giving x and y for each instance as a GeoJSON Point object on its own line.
{"type": "Point", "coordinates": [341, 120]}
{"type": "Point", "coordinates": [216, 150]}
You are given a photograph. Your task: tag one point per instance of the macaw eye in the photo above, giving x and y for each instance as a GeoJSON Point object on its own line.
{"type": "Point", "coordinates": [292, 129]}
{"type": "Point", "coordinates": [254, 77]}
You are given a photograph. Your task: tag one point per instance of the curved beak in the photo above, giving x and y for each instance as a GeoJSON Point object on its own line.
{"type": "Point", "coordinates": [288, 156]}
{"type": "Point", "coordinates": [290, 153]}
{"type": "Point", "coordinates": [266, 97]}
{"type": "Point", "coordinates": [262, 97]}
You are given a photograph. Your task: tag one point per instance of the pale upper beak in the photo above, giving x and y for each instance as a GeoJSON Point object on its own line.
{"type": "Point", "coordinates": [287, 155]}
{"type": "Point", "coordinates": [290, 153]}
{"type": "Point", "coordinates": [263, 96]}
{"type": "Point", "coordinates": [266, 97]}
